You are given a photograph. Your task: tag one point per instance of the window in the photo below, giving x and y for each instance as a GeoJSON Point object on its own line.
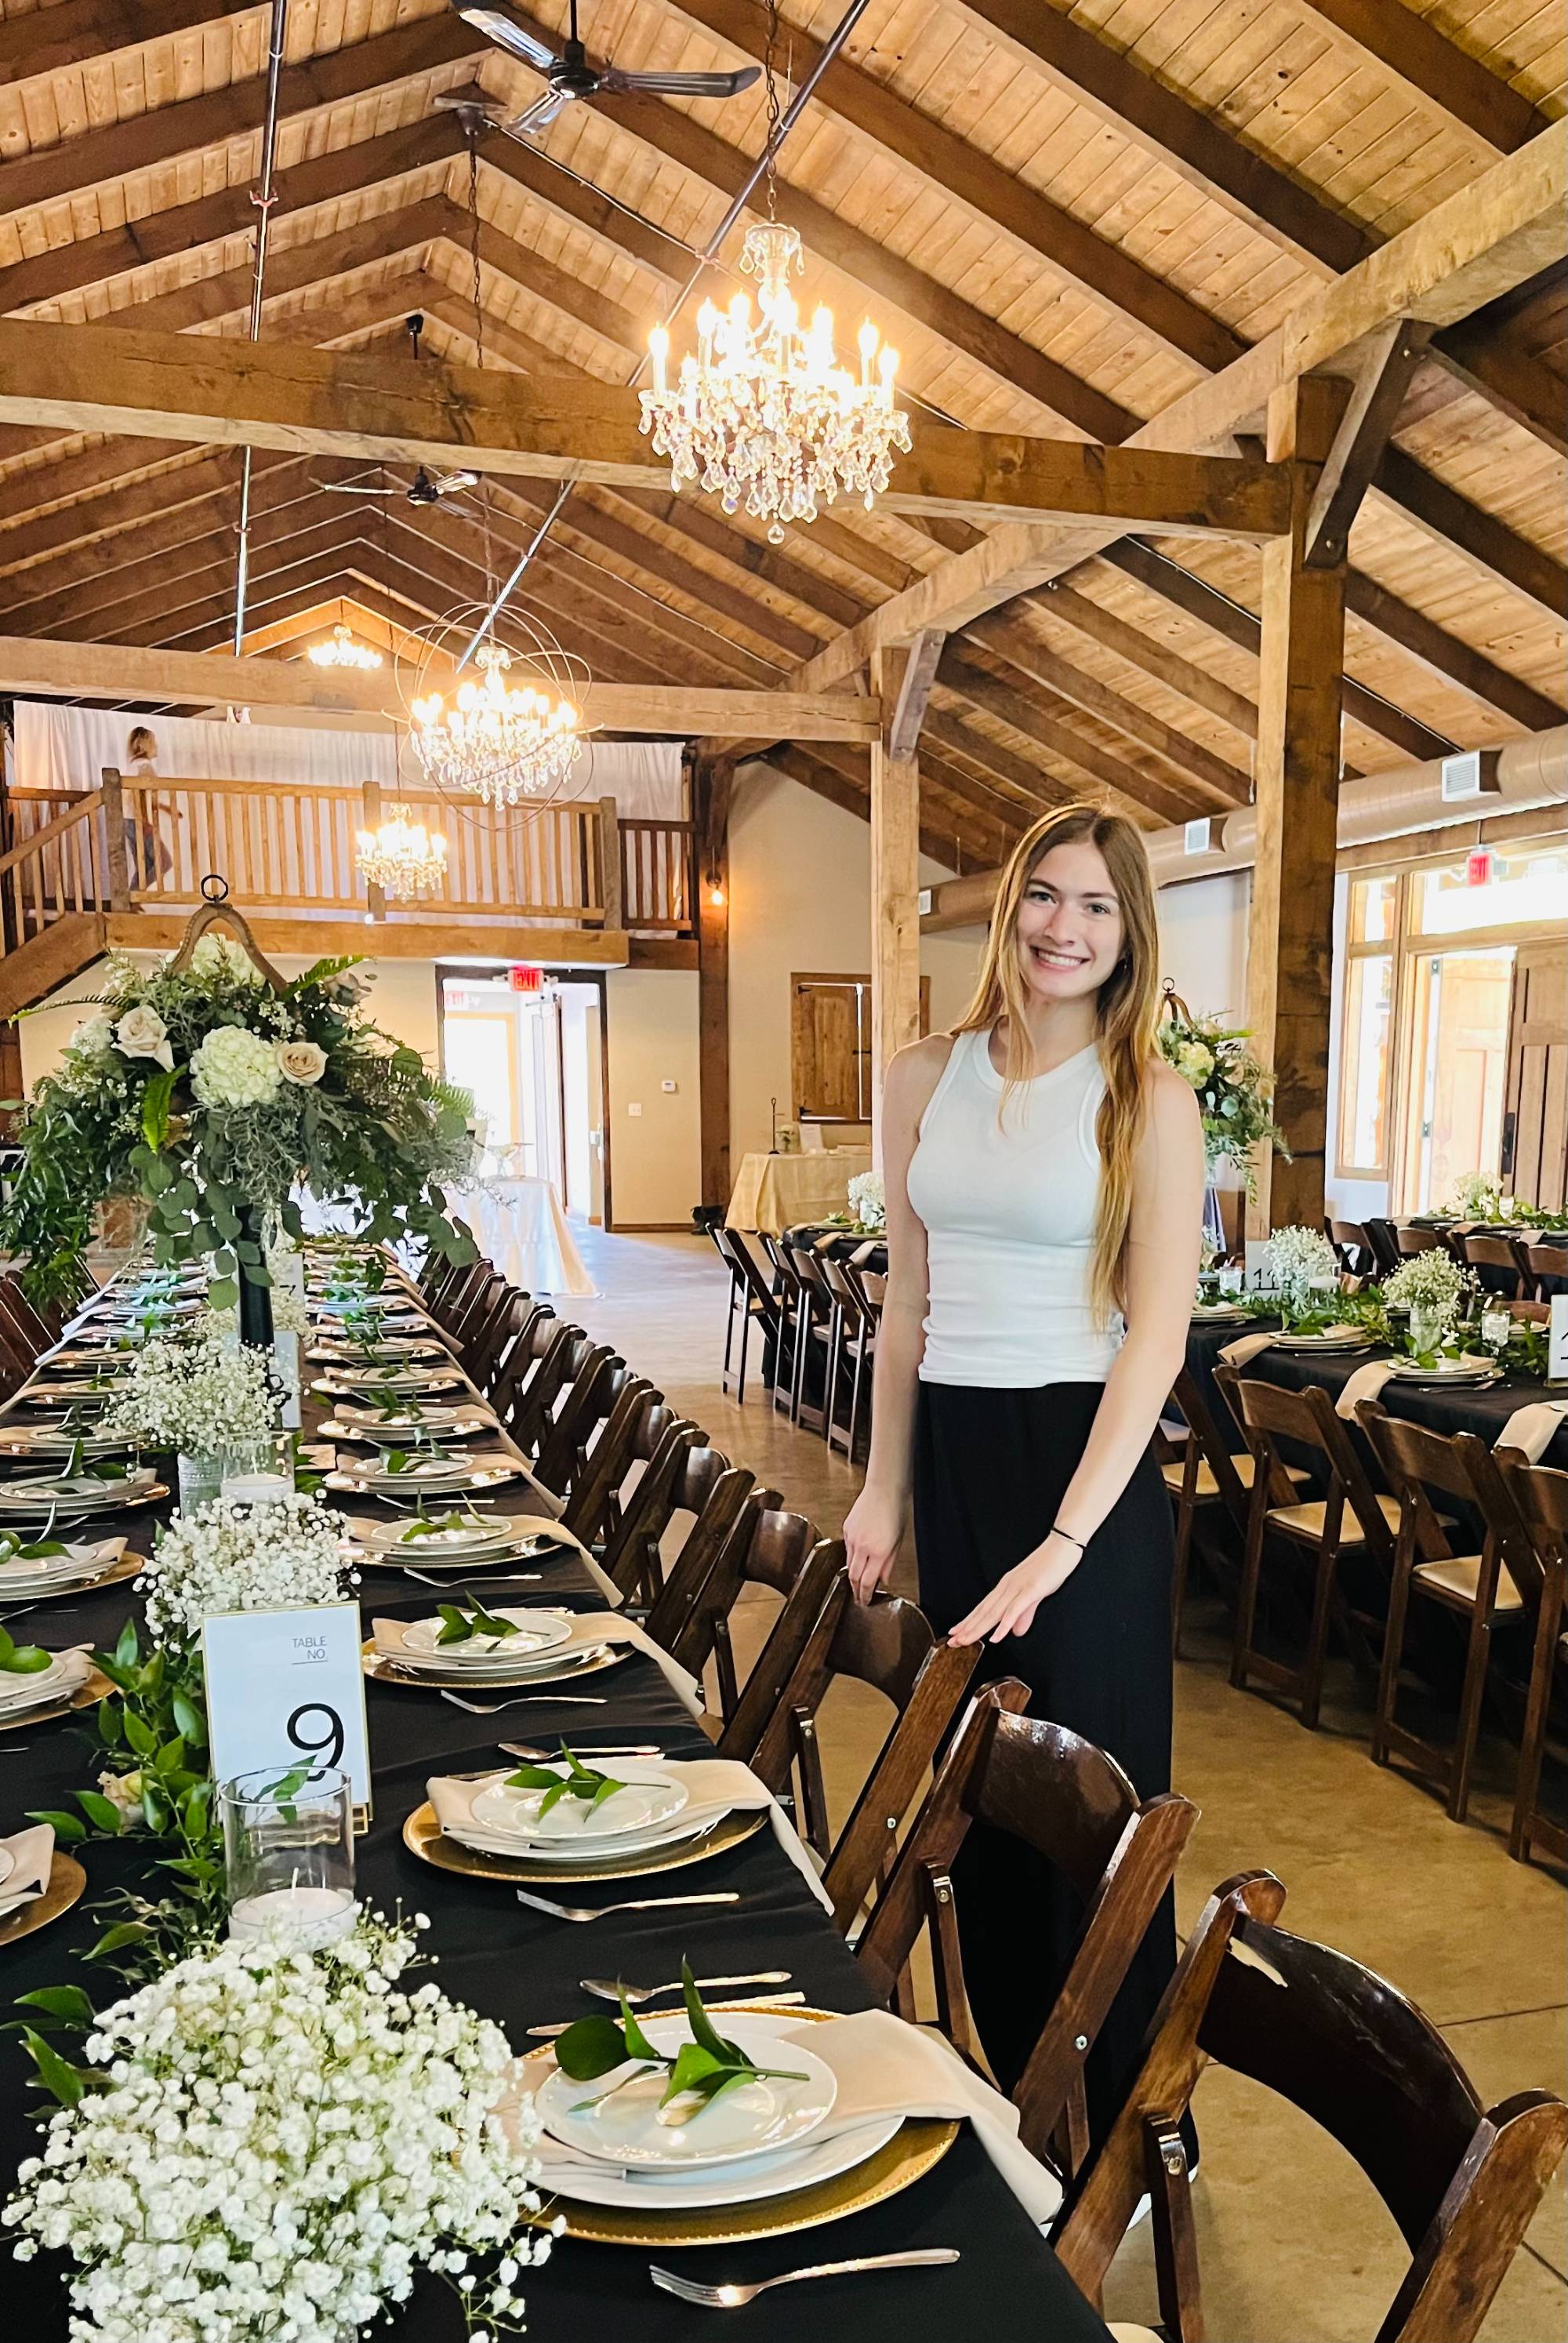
{"type": "Point", "coordinates": [1367, 1042]}
{"type": "Point", "coordinates": [1527, 888]}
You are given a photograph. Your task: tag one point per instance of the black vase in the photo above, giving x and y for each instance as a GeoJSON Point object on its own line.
{"type": "Point", "coordinates": [254, 1300]}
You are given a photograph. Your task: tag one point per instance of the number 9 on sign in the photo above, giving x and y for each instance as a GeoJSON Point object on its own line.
{"type": "Point", "coordinates": [326, 1747]}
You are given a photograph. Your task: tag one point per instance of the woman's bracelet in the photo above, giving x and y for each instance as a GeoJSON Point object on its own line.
{"type": "Point", "coordinates": [1057, 1530]}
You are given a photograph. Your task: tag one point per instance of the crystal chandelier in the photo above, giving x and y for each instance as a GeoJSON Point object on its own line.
{"type": "Point", "coordinates": [502, 741]}
{"type": "Point", "coordinates": [402, 857]}
{"type": "Point", "coordinates": [343, 651]}
{"type": "Point", "coordinates": [764, 415]}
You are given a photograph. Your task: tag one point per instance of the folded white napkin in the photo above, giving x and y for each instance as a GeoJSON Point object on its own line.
{"type": "Point", "coordinates": [18, 1692]}
{"type": "Point", "coordinates": [97, 1553]}
{"type": "Point", "coordinates": [32, 1853]}
{"type": "Point", "coordinates": [1237, 1353]}
{"type": "Point", "coordinates": [715, 1787]}
{"type": "Point", "coordinates": [1366, 1383]}
{"type": "Point", "coordinates": [1533, 1428]}
{"type": "Point", "coordinates": [883, 2067]}
{"type": "Point", "coordinates": [588, 1628]}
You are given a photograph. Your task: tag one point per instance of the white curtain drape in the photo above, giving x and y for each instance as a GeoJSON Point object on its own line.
{"type": "Point", "coordinates": [67, 749]}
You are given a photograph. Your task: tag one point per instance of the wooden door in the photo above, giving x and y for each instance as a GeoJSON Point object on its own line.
{"type": "Point", "coordinates": [1535, 1120]}
{"type": "Point", "coordinates": [830, 1046]}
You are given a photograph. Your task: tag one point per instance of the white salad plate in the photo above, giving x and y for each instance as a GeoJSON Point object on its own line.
{"type": "Point", "coordinates": [441, 1476]}
{"type": "Point", "coordinates": [1464, 1372]}
{"type": "Point", "coordinates": [79, 1494]}
{"type": "Point", "coordinates": [537, 1633]}
{"type": "Point", "coordinates": [471, 1542]}
{"type": "Point", "coordinates": [345, 1380]}
{"type": "Point", "coordinates": [32, 1691]}
{"type": "Point", "coordinates": [650, 1801]}
{"type": "Point", "coordinates": [822, 2156]}
{"type": "Point", "coordinates": [621, 2125]}
{"type": "Point", "coordinates": [1328, 1343]}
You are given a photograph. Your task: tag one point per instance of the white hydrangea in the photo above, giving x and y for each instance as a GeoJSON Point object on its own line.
{"type": "Point", "coordinates": [1299, 1262]}
{"type": "Point", "coordinates": [1194, 1061]}
{"type": "Point", "coordinates": [195, 1393]}
{"type": "Point", "coordinates": [234, 1067]}
{"type": "Point", "coordinates": [94, 1037]}
{"type": "Point", "coordinates": [283, 2141]}
{"type": "Point", "coordinates": [216, 956]}
{"type": "Point", "coordinates": [228, 1557]}
{"type": "Point", "coordinates": [867, 1200]}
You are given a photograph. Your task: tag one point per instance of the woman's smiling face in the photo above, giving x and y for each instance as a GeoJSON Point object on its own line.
{"type": "Point", "coordinates": [1069, 923]}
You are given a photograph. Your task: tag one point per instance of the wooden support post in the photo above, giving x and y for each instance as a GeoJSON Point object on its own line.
{"type": "Point", "coordinates": [712, 781]}
{"type": "Point", "coordinates": [374, 896]}
{"type": "Point", "coordinates": [117, 858]}
{"type": "Point", "coordinates": [1289, 947]}
{"type": "Point", "coordinates": [613, 904]}
{"type": "Point", "coordinates": [895, 888]}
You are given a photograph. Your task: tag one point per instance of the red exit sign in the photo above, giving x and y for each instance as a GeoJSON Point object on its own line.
{"type": "Point", "coordinates": [524, 979]}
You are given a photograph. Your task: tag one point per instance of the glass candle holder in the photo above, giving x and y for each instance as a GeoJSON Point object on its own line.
{"type": "Point", "coordinates": [288, 1852]}
{"type": "Point", "coordinates": [1428, 1325]}
{"type": "Point", "coordinates": [259, 1472]}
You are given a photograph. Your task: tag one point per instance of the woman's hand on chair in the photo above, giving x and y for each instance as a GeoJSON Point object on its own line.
{"type": "Point", "coordinates": [873, 1528]}
{"type": "Point", "coordinates": [1010, 1608]}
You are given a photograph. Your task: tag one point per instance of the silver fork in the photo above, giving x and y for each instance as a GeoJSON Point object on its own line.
{"type": "Point", "coordinates": [530, 1754]}
{"type": "Point", "coordinates": [715, 2009]}
{"type": "Point", "coordinates": [637, 1903]}
{"type": "Point", "coordinates": [529, 1699]}
{"type": "Point", "coordinates": [736, 2297]}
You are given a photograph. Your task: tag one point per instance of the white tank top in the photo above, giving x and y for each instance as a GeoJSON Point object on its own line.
{"type": "Point", "coordinates": [1009, 1209]}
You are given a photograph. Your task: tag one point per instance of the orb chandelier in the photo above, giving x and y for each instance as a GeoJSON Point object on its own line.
{"type": "Point", "coordinates": [402, 857]}
{"type": "Point", "coordinates": [764, 415]}
{"type": "Point", "coordinates": [343, 651]}
{"type": "Point", "coordinates": [501, 741]}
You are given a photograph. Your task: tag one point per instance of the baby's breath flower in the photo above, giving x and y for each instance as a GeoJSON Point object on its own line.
{"type": "Point", "coordinates": [226, 1556]}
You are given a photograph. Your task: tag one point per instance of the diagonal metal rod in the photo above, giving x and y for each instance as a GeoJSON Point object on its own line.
{"type": "Point", "coordinates": [264, 199]}
{"type": "Point", "coordinates": [791, 115]}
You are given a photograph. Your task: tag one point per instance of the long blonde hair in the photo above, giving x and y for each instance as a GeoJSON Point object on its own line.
{"type": "Point", "coordinates": [1127, 1011]}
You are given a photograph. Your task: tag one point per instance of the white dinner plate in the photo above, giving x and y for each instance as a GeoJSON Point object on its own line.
{"type": "Point", "coordinates": [1328, 1343]}
{"type": "Point", "coordinates": [621, 2125]}
{"type": "Point", "coordinates": [7, 1864]}
{"type": "Point", "coordinates": [79, 1494]}
{"type": "Point", "coordinates": [29, 1691]}
{"type": "Point", "coordinates": [1216, 1313]}
{"type": "Point", "coordinates": [779, 2174]}
{"type": "Point", "coordinates": [53, 1440]}
{"type": "Point", "coordinates": [344, 1380]}
{"type": "Point", "coordinates": [471, 1542]}
{"type": "Point", "coordinates": [437, 1480]}
{"type": "Point", "coordinates": [650, 1801]}
{"type": "Point", "coordinates": [537, 1632]}
{"type": "Point", "coordinates": [1464, 1372]}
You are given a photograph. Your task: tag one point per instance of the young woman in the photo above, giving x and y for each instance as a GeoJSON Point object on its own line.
{"type": "Point", "coordinates": [1044, 1174]}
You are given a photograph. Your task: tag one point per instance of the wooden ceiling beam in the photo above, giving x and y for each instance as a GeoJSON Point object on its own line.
{"type": "Point", "coordinates": [357, 404]}
{"type": "Point", "coordinates": [1480, 351]}
{"type": "Point", "coordinates": [958, 809]}
{"type": "Point", "coordinates": [1450, 520]}
{"type": "Point", "coordinates": [800, 765]}
{"type": "Point", "coordinates": [365, 69]}
{"type": "Point", "coordinates": [1142, 650]}
{"type": "Point", "coordinates": [1456, 662]}
{"type": "Point", "coordinates": [163, 614]}
{"type": "Point", "coordinates": [1027, 709]}
{"type": "Point", "coordinates": [198, 570]}
{"type": "Point", "coordinates": [79, 31]}
{"type": "Point", "coordinates": [1453, 82]}
{"type": "Point", "coordinates": [1390, 359]}
{"type": "Point", "coordinates": [165, 532]}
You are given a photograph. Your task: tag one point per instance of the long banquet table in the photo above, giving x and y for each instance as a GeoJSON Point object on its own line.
{"type": "Point", "coordinates": [520, 1967]}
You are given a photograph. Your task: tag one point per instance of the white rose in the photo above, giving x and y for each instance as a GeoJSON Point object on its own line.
{"type": "Point", "coordinates": [142, 1033]}
{"type": "Point", "coordinates": [123, 1790]}
{"type": "Point", "coordinates": [301, 1062]}
{"type": "Point", "coordinates": [1196, 1062]}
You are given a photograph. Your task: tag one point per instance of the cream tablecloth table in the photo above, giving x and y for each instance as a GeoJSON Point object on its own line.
{"type": "Point", "coordinates": [519, 1223]}
{"type": "Point", "coordinates": [773, 1192]}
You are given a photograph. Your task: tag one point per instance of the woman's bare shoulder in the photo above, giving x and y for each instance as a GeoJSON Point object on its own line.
{"type": "Point", "coordinates": [914, 1072]}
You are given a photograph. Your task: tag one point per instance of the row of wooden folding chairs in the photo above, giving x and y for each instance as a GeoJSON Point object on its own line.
{"type": "Point", "coordinates": [1303, 2020]}
{"type": "Point", "coordinates": [27, 1330]}
{"type": "Point", "coordinates": [818, 1319]}
{"type": "Point", "coordinates": [1526, 1267]}
{"type": "Point", "coordinates": [1505, 1581]}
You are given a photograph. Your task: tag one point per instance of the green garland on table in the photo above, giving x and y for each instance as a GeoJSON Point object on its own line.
{"type": "Point", "coordinates": [206, 1090]}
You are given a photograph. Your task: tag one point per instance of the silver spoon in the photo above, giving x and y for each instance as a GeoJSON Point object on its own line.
{"type": "Point", "coordinates": [610, 1989]}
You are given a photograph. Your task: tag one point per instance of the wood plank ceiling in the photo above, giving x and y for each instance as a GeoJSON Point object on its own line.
{"type": "Point", "coordinates": [1064, 220]}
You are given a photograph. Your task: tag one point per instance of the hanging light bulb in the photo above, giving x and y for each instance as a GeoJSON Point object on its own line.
{"type": "Point", "coordinates": [402, 857]}
{"type": "Point", "coordinates": [343, 651]}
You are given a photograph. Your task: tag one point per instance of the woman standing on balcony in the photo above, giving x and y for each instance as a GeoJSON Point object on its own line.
{"type": "Point", "coordinates": [1044, 1177]}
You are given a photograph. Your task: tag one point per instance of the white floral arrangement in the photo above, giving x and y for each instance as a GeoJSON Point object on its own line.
{"type": "Point", "coordinates": [1235, 1093]}
{"type": "Point", "coordinates": [197, 1392]}
{"type": "Point", "coordinates": [227, 1556]}
{"type": "Point", "coordinates": [868, 1200]}
{"type": "Point", "coordinates": [1430, 1281]}
{"type": "Point", "coordinates": [1299, 1262]}
{"type": "Point", "coordinates": [282, 2140]}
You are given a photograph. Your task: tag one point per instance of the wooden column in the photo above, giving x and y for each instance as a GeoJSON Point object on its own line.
{"type": "Point", "coordinates": [895, 882]}
{"type": "Point", "coordinates": [374, 896]}
{"type": "Point", "coordinates": [1290, 946]}
{"type": "Point", "coordinates": [711, 784]}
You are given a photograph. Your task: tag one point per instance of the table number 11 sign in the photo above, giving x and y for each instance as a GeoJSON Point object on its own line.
{"type": "Point", "coordinates": [1557, 1340]}
{"type": "Point", "coordinates": [286, 1688]}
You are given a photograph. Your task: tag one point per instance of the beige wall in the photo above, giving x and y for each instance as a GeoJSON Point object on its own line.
{"type": "Point", "coordinates": [800, 897]}
{"type": "Point", "coordinates": [402, 1000]}
{"type": "Point", "coordinates": [650, 1031]}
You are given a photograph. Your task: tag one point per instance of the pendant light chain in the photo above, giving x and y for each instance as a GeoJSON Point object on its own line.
{"type": "Point", "coordinates": [771, 85]}
{"type": "Point", "coordinates": [476, 292]}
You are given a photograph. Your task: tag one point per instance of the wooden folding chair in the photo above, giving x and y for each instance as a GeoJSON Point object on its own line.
{"type": "Point", "coordinates": [555, 1349]}
{"type": "Point", "coordinates": [1073, 1803]}
{"type": "Point", "coordinates": [751, 1300]}
{"type": "Point", "coordinates": [588, 1401]}
{"type": "Point", "coordinates": [1497, 1587]}
{"type": "Point", "coordinates": [782, 1653]}
{"type": "Point", "coordinates": [630, 1555]}
{"type": "Point", "coordinates": [766, 1547]}
{"type": "Point", "coordinates": [1206, 1471]}
{"type": "Point", "coordinates": [718, 1497]}
{"type": "Point", "coordinates": [890, 1645]}
{"type": "Point", "coordinates": [1501, 1261]}
{"type": "Point", "coordinates": [1547, 1267]}
{"type": "Point", "coordinates": [851, 1351]}
{"type": "Point", "coordinates": [592, 1505]}
{"type": "Point", "coordinates": [1461, 2180]}
{"type": "Point", "coordinates": [1356, 1252]}
{"type": "Point", "coordinates": [1540, 1494]}
{"type": "Point", "coordinates": [1347, 1516]}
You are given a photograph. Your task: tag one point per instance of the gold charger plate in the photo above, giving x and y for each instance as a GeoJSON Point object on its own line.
{"type": "Point", "coordinates": [423, 1836]}
{"type": "Point", "coordinates": [66, 1882]}
{"type": "Point", "coordinates": [127, 1567]}
{"type": "Point", "coordinates": [93, 1689]}
{"type": "Point", "coordinates": [380, 1670]}
{"type": "Point", "coordinates": [916, 2148]}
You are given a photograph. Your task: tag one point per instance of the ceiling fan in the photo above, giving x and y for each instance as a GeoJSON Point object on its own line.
{"type": "Point", "coordinates": [424, 489]}
{"type": "Point", "coordinates": [570, 76]}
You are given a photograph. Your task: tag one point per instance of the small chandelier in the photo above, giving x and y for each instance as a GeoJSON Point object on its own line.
{"type": "Point", "coordinates": [501, 741]}
{"type": "Point", "coordinates": [343, 651]}
{"type": "Point", "coordinates": [764, 415]}
{"type": "Point", "coordinates": [402, 857]}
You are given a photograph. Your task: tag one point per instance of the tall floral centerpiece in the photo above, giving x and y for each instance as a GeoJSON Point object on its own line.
{"type": "Point", "coordinates": [204, 1090]}
{"type": "Point", "coordinates": [1235, 1093]}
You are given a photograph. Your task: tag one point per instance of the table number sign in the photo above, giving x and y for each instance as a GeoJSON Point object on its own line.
{"type": "Point", "coordinates": [1259, 1272]}
{"type": "Point", "coordinates": [288, 1688]}
{"type": "Point", "coordinates": [1557, 1340]}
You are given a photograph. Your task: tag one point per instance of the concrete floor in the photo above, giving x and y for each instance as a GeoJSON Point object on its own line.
{"type": "Point", "coordinates": [1294, 2245]}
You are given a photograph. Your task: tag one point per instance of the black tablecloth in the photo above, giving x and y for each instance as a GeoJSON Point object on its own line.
{"type": "Point", "coordinates": [520, 1967]}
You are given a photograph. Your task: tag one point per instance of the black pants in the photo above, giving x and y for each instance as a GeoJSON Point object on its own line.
{"type": "Point", "coordinates": [990, 1469]}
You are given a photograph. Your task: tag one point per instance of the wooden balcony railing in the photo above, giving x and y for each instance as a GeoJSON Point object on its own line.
{"type": "Point", "coordinates": [141, 843]}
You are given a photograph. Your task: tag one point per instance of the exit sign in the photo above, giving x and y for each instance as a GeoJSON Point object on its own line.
{"type": "Point", "coordinates": [524, 979]}
{"type": "Point", "coordinates": [1480, 866]}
